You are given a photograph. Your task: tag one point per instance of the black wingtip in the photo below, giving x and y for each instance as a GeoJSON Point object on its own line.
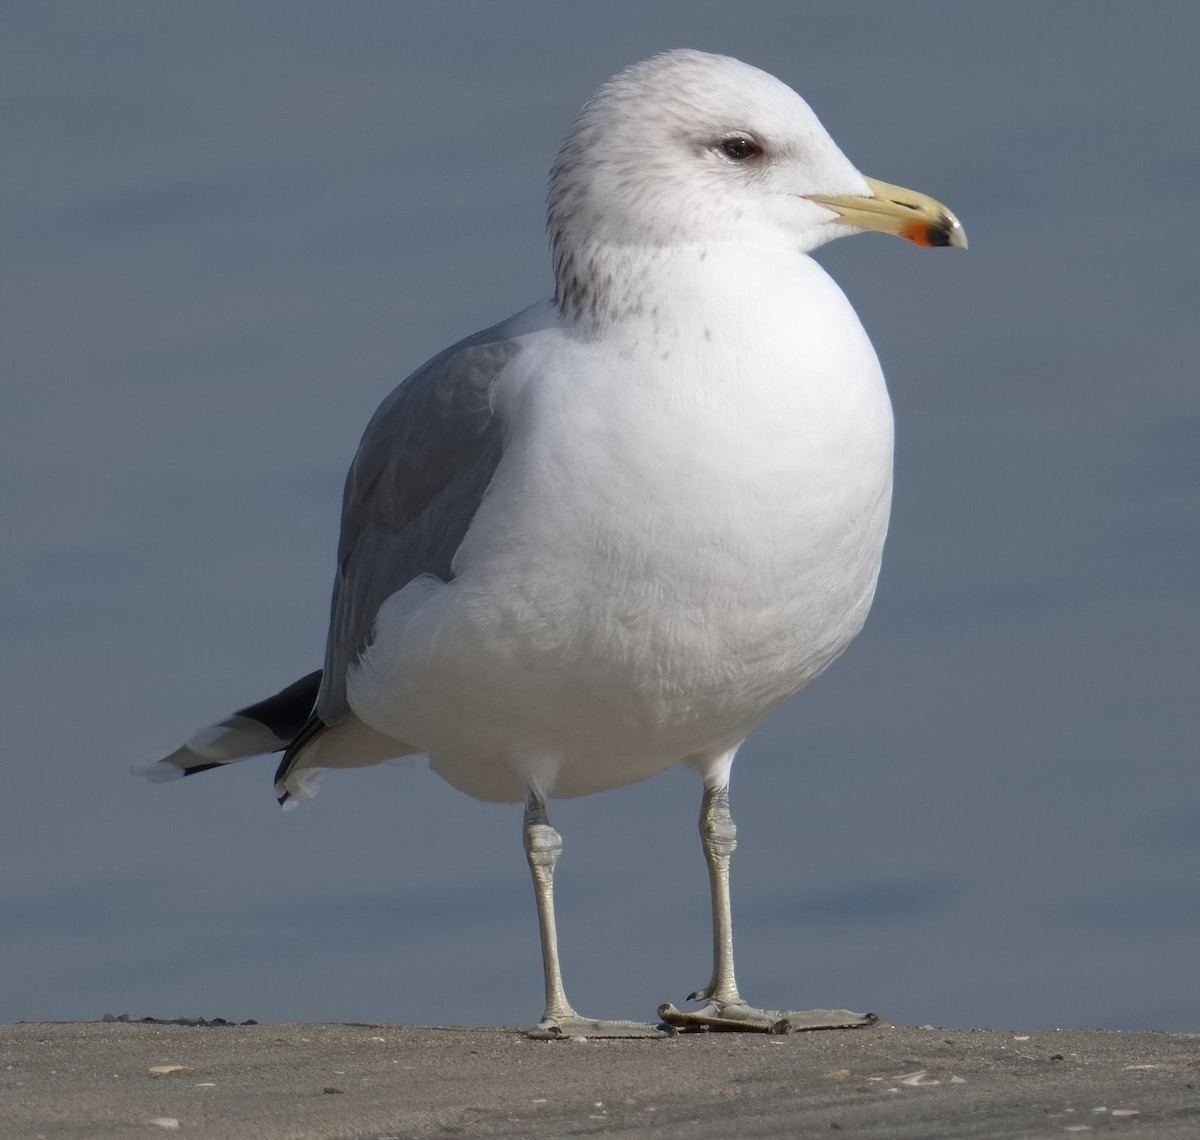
{"type": "Point", "coordinates": [204, 767]}
{"type": "Point", "coordinates": [311, 730]}
{"type": "Point", "coordinates": [287, 713]}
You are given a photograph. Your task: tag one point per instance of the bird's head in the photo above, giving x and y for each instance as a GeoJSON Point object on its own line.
{"type": "Point", "coordinates": [691, 148]}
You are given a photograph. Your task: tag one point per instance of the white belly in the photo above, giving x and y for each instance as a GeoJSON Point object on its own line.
{"type": "Point", "coordinates": [659, 563]}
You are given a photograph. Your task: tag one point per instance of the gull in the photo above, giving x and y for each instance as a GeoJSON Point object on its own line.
{"type": "Point", "coordinates": [614, 532]}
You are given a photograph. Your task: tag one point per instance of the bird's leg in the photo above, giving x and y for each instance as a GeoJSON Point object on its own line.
{"type": "Point", "coordinates": [724, 1008]}
{"type": "Point", "coordinates": [543, 846]}
{"type": "Point", "coordinates": [718, 835]}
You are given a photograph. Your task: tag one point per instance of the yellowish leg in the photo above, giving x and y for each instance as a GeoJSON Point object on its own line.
{"type": "Point", "coordinates": [724, 1008]}
{"type": "Point", "coordinates": [718, 835]}
{"type": "Point", "coordinates": [543, 846]}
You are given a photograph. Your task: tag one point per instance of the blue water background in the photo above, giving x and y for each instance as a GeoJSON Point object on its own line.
{"type": "Point", "coordinates": [229, 229]}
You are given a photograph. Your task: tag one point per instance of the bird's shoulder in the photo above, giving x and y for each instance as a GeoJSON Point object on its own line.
{"type": "Point", "coordinates": [435, 420]}
{"type": "Point", "coordinates": [423, 466]}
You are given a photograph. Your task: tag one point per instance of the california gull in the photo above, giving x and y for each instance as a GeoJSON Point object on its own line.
{"type": "Point", "coordinates": [614, 532]}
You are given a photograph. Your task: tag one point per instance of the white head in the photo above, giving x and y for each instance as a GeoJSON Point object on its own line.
{"type": "Point", "coordinates": [688, 148]}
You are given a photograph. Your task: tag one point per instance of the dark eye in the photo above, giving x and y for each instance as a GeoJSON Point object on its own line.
{"type": "Point", "coordinates": [739, 149]}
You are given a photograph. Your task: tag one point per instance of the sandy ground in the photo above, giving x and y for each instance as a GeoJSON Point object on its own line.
{"type": "Point", "coordinates": [337, 1082]}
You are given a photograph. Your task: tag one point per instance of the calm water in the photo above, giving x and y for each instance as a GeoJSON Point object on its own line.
{"type": "Point", "coordinates": [229, 232]}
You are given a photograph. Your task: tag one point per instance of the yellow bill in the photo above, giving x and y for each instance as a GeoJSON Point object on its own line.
{"type": "Point", "coordinates": [894, 210]}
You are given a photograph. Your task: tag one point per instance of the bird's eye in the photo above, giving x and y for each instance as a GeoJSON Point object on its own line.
{"type": "Point", "coordinates": [739, 149]}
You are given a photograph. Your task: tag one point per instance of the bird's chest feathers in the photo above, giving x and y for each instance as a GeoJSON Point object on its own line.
{"type": "Point", "coordinates": [732, 473]}
{"type": "Point", "coordinates": [709, 480]}
{"type": "Point", "coordinates": [759, 428]}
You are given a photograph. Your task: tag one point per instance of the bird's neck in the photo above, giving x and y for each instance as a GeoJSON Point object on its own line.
{"type": "Point", "coordinates": [602, 287]}
{"type": "Point", "coordinates": [597, 283]}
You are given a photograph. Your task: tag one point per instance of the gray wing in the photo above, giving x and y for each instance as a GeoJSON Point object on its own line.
{"type": "Point", "coordinates": [424, 463]}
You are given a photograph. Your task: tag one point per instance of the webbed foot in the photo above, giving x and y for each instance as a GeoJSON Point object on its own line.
{"type": "Point", "coordinates": [572, 1025]}
{"type": "Point", "coordinates": [737, 1017]}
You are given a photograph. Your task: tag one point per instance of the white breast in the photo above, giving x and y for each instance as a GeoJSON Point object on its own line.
{"type": "Point", "coordinates": [683, 532]}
